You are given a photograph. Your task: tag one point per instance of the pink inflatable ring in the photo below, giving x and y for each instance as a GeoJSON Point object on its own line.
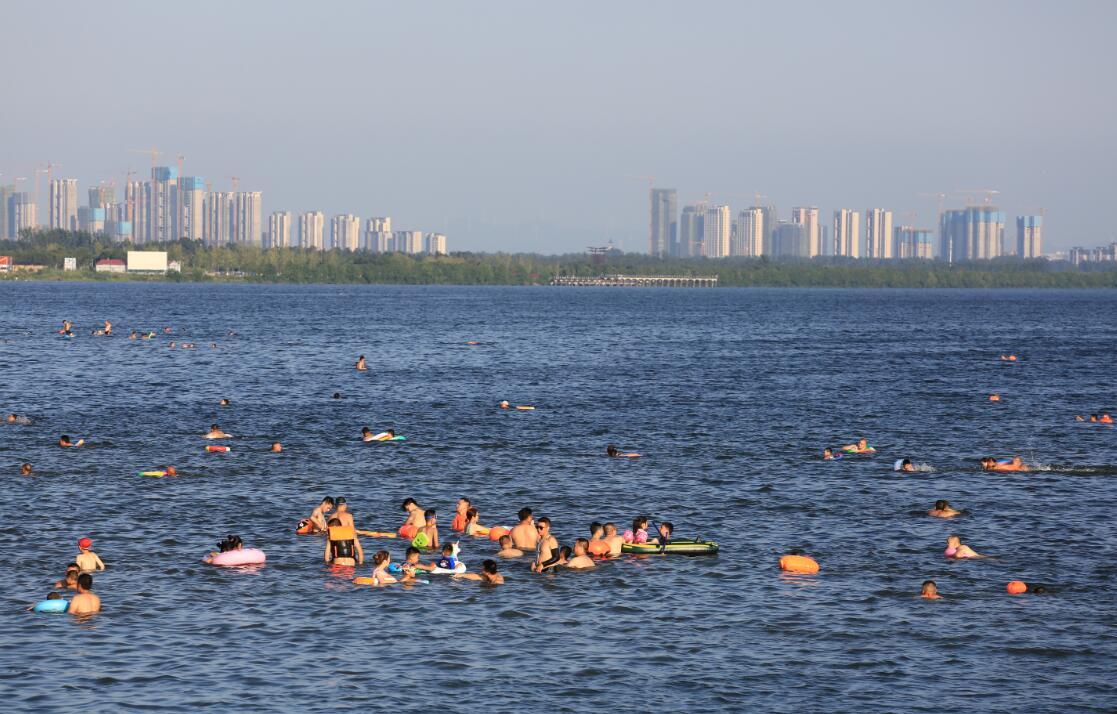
{"type": "Point", "coordinates": [245, 556]}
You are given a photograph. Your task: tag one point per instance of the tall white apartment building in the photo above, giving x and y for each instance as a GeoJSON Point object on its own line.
{"type": "Point", "coordinates": [715, 232]}
{"type": "Point", "coordinates": [847, 233]}
{"type": "Point", "coordinates": [878, 234]}
{"type": "Point", "coordinates": [807, 217]}
{"type": "Point", "coordinates": [64, 204]}
{"type": "Point", "coordinates": [748, 233]}
{"type": "Point", "coordinates": [345, 232]}
{"type": "Point", "coordinates": [311, 227]}
{"type": "Point", "coordinates": [279, 230]}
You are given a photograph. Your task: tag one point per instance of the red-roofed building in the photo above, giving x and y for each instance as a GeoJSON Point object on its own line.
{"type": "Point", "coordinates": [109, 265]}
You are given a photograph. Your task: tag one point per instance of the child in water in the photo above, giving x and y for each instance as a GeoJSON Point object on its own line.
{"type": "Point", "coordinates": [449, 559]}
{"type": "Point", "coordinates": [427, 536]}
{"type": "Point", "coordinates": [930, 591]}
{"type": "Point", "coordinates": [87, 560]}
{"type": "Point", "coordinates": [639, 532]}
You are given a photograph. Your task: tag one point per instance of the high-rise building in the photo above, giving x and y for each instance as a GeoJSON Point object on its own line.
{"type": "Point", "coordinates": [878, 234]}
{"type": "Point", "coordinates": [691, 230]}
{"type": "Point", "coordinates": [188, 210]}
{"type": "Point", "coordinates": [434, 244]}
{"type": "Point", "coordinates": [248, 211]}
{"type": "Point", "coordinates": [345, 232]}
{"type": "Point", "coordinates": [217, 218]}
{"type": "Point", "coordinates": [409, 241]}
{"type": "Point", "coordinates": [664, 222]}
{"type": "Point", "coordinates": [807, 216]}
{"type": "Point", "coordinates": [973, 233]}
{"type": "Point", "coordinates": [312, 224]}
{"type": "Point", "coordinates": [134, 209]}
{"type": "Point", "coordinates": [1029, 236]}
{"type": "Point", "coordinates": [715, 232]}
{"type": "Point", "coordinates": [102, 196]}
{"type": "Point", "coordinates": [22, 213]}
{"type": "Point", "coordinates": [771, 221]}
{"type": "Point", "coordinates": [790, 240]}
{"type": "Point", "coordinates": [847, 233]}
{"type": "Point", "coordinates": [64, 204]}
{"type": "Point", "coordinates": [748, 233]}
{"type": "Point", "coordinates": [5, 194]}
{"type": "Point", "coordinates": [279, 230]}
{"type": "Point", "coordinates": [91, 220]}
{"type": "Point", "coordinates": [161, 204]}
{"type": "Point", "coordinates": [378, 235]}
{"type": "Point", "coordinates": [910, 242]}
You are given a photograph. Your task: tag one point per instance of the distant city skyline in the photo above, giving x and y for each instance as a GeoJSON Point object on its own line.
{"type": "Point", "coordinates": [535, 127]}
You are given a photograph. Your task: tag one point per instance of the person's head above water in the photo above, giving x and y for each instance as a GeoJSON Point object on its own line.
{"type": "Point", "coordinates": [612, 450]}
{"type": "Point", "coordinates": [381, 557]}
{"type": "Point", "coordinates": [327, 503]}
{"type": "Point", "coordinates": [930, 589]}
{"type": "Point", "coordinates": [666, 528]}
{"type": "Point", "coordinates": [639, 523]}
{"type": "Point", "coordinates": [407, 502]}
{"type": "Point", "coordinates": [64, 439]}
{"type": "Point", "coordinates": [488, 566]}
{"type": "Point", "coordinates": [505, 542]}
{"type": "Point", "coordinates": [524, 515]}
{"type": "Point", "coordinates": [471, 514]}
{"type": "Point", "coordinates": [543, 524]}
{"type": "Point", "coordinates": [276, 446]}
{"type": "Point", "coordinates": [596, 529]}
{"type": "Point", "coordinates": [448, 549]}
{"type": "Point", "coordinates": [337, 395]}
{"type": "Point", "coordinates": [12, 418]}
{"type": "Point", "coordinates": [942, 505]}
{"type": "Point", "coordinates": [905, 462]}
{"type": "Point", "coordinates": [25, 469]}
{"type": "Point", "coordinates": [610, 529]}
{"type": "Point", "coordinates": [430, 515]}
{"type": "Point", "coordinates": [341, 504]}
{"type": "Point", "coordinates": [85, 581]}
{"type": "Point", "coordinates": [223, 403]}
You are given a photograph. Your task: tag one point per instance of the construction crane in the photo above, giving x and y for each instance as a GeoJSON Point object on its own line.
{"type": "Point", "coordinates": [756, 196]}
{"type": "Point", "coordinates": [970, 192]}
{"type": "Point", "coordinates": [155, 153]}
{"type": "Point", "coordinates": [236, 182]}
{"type": "Point", "coordinates": [941, 198]}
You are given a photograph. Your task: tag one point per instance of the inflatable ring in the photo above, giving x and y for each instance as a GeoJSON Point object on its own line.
{"type": "Point", "coordinates": [232, 558]}
{"type": "Point", "coordinates": [217, 448]}
{"type": "Point", "coordinates": [496, 532]}
{"type": "Point", "coordinates": [58, 605]}
{"type": "Point", "coordinates": [799, 564]}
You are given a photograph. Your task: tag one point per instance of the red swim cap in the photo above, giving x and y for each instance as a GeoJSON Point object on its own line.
{"type": "Point", "coordinates": [85, 543]}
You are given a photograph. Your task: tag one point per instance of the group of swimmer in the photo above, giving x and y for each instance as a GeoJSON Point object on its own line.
{"type": "Point", "coordinates": [79, 580]}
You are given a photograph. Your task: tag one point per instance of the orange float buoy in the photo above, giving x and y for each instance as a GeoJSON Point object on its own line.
{"type": "Point", "coordinates": [496, 532]}
{"type": "Point", "coordinates": [994, 397]}
{"type": "Point", "coordinates": [217, 448]}
{"type": "Point", "coordinates": [1017, 587]}
{"type": "Point", "coordinates": [798, 564]}
{"type": "Point", "coordinates": [408, 531]}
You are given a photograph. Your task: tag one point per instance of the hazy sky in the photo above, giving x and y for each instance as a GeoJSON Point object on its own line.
{"type": "Point", "coordinates": [520, 125]}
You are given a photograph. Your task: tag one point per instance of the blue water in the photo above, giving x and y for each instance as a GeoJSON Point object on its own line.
{"type": "Point", "coordinates": [730, 394]}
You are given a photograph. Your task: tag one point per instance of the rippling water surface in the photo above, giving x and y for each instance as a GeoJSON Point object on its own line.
{"type": "Point", "coordinates": [730, 394]}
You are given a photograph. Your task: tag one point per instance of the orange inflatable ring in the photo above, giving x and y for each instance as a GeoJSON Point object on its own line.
{"type": "Point", "coordinates": [798, 564]}
{"type": "Point", "coordinates": [598, 548]}
{"type": "Point", "coordinates": [496, 532]}
{"type": "Point", "coordinates": [305, 527]}
{"type": "Point", "coordinates": [408, 531]}
{"type": "Point", "coordinates": [1017, 587]}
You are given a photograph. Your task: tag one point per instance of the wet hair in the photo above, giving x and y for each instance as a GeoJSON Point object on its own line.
{"type": "Point", "coordinates": [595, 527]}
{"type": "Point", "coordinates": [213, 427]}
{"type": "Point", "coordinates": [408, 502]}
{"type": "Point", "coordinates": [639, 522]}
{"type": "Point", "coordinates": [905, 462]}
{"type": "Point", "coordinates": [328, 500]}
{"type": "Point", "coordinates": [365, 430]}
{"type": "Point", "coordinates": [1038, 589]}
{"type": "Point", "coordinates": [928, 582]}
{"type": "Point", "coordinates": [612, 450]}
{"type": "Point", "coordinates": [489, 566]}
{"type": "Point", "coordinates": [471, 513]}
{"type": "Point", "coordinates": [25, 467]}
{"type": "Point", "coordinates": [230, 543]}
{"type": "Point", "coordinates": [390, 431]}
{"type": "Point", "coordinates": [582, 542]}
{"type": "Point", "coordinates": [54, 595]}
{"type": "Point", "coordinates": [360, 356]}
{"type": "Point", "coordinates": [795, 551]}
{"type": "Point", "coordinates": [542, 521]}
{"type": "Point", "coordinates": [411, 550]}
{"type": "Point", "coordinates": [505, 539]}
{"type": "Point", "coordinates": [429, 514]}
{"type": "Point", "coordinates": [224, 402]}
{"type": "Point", "coordinates": [85, 581]}
{"type": "Point", "coordinates": [340, 501]}
{"type": "Point", "coordinates": [942, 505]}
{"type": "Point", "coordinates": [610, 526]}
{"type": "Point", "coordinates": [333, 522]}
{"type": "Point", "coordinates": [565, 552]}
{"type": "Point", "coordinates": [64, 437]}
{"type": "Point", "coordinates": [524, 513]}
{"type": "Point", "coordinates": [73, 566]}
{"type": "Point", "coordinates": [379, 557]}
{"type": "Point", "coordinates": [337, 395]}
{"type": "Point", "coordinates": [448, 549]}
{"type": "Point", "coordinates": [669, 526]}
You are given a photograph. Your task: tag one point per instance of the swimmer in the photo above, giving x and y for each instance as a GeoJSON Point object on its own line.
{"type": "Point", "coordinates": [108, 328]}
{"type": "Point", "coordinates": [458, 524]}
{"type": "Point", "coordinates": [411, 560]}
{"type": "Point", "coordinates": [580, 560]}
{"type": "Point", "coordinates": [994, 397]}
{"type": "Point", "coordinates": [524, 534]}
{"type": "Point", "coordinates": [276, 447]}
{"type": "Point", "coordinates": [507, 550]}
{"type": "Point", "coordinates": [337, 395]}
{"type": "Point", "coordinates": [473, 525]}
{"type": "Point", "coordinates": [132, 335]}
{"type": "Point", "coordinates": [216, 433]}
{"type": "Point", "coordinates": [367, 435]}
{"type": "Point", "coordinates": [427, 535]}
{"type": "Point", "coordinates": [171, 346]}
{"type": "Point", "coordinates": [343, 547]}
{"type": "Point", "coordinates": [67, 328]}
{"type": "Point", "coordinates": [11, 418]}
{"type": "Point", "coordinates": [319, 515]}
{"type": "Point", "coordinates": [930, 591]}
{"type": "Point", "coordinates": [343, 513]}
{"type": "Point", "coordinates": [85, 602]}
{"type": "Point", "coordinates": [223, 402]}
{"type": "Point", "coordinates": [1038, 590]}
{"type": "Point", "coordinates": [546, 546]}
{"type": "Point", "coordinates": [64, 441]}
{"type": "Point", "coordinates": [861, 447]}
{"type": "Point", "coordinates": [614, 540]}
{"type": "Point", "coordinates": [1009, 465]}
{"type": "Point", "coordinates": [828, 454]}
{"type": "Point", "coordinates": [1079, 418]}
{"type": "Point", "coordinates": [380, 575]}
{"type": "Point", "coordinates": [1105, 418]}
{"type": "Point", "coordinates": [50, 596]}
{"type": "Point", "coordinates": [487, 576]}
{"type": "Point", "coordinates": [449, 559]}
{"type": "Point", "coordinates": [639, 532]}
{"type": "Point", "coordinates": [958, 550]}
{"type": "Point", "coordinates": [361, 367]}
{"type": "Point", "coordinates": [612, 450]}
{"type": "Point", "coordinates": [907, 465]}
{"type": "Point", "coordinates": [504, 404]}
{"type": "Point", "coordinates": [561, 557]}
{"type": "Point", "coordinates": [70, 580]}
{"type": "Point", "coordinates": [25, 469]}
{"type": "Point", "coordinates": [228, 545]}
{"type": "Point", "coordinates": [1094, 418]}
{"type": "Point", "coordinates": [166, 330]}
{"type": "Point", "coordinates": [943, 509]}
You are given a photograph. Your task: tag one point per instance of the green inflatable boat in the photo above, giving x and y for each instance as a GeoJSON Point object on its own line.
{"type": "Point", "coordinates": [675, 547]}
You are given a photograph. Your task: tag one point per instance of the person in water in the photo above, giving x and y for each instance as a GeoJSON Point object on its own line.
{"type": "Point", "coordinates": [561, 556]}
{"type": "Point", "coordinates": [958, 550]}
{"type": "Point", "coordinates": [276, 447]}
{"type": "Point", "coordinates": [546, 546]}
{"type": "Point", "coordinates": [907, 465]}
{"type": "Point", "coordinates": [1105, 418]}
{"type": "Point", "coordinates": [380, 575]}
{"type": "Point", "coordinates": [411, 560]}
{"type": "Point", "coordinates": [85, 602]}
{"type": "Point", "coordinates": [65, 442]}
{"type": "Point", "coordinates": [930, 591]}
{"type": "Point", "coordinates": [449, 559]}
{"type": "Point", "coordinates": [70, 580]}
{"type": "Point", "coordinates": [343, 547]}
{"type": "Point", "coordinates": [943, 509]}
{"type": "Point", "coordinates": [343, 513]}
{"type": "Point", "coordinates": [86, 559]}
{"type": "Point", "coordinates": [427, 536]}
{"type": "Point", "coordinates": [415, 518]}
{"type": "Point", "coordinates": [460, 510]}
{"type": "Point", "coordinates": [319, 515]}
{"type": "Point", "coordinates": [615, 540]}
{"type": "Point", "coordinates": [580, 559]}
{"type": "Point", "coordinates": [223, 403]}
{"type": "Point", "coordinates": [507, 550]}
{"type": "Point", "coordinates": [613, 451]}
{"type": "Point", "coordinates": [473, 525]}
{"type": "Point", "coordinates": [337, 395]}
{"type": "Point", "coordinates": [861, 447]}
{"type": "Point", "coordinates": [828, 454]}
{"type": "Point", "coordinates": [1009, 465]}
{"type": "Point", "coordinates": [361, 367]}
{"type": "Point", "coordinates": [25, 469]}
{"type": "Point", "coordinates": [50, 596]}
{"type": "Point", "coordinates": [216, 433]}
{"type": "Point", "coordinates": [524, 534]}
{"type": "Point", "coordinates": [639, 532]}
{"type": "Point", "coordinates": [487, 576]}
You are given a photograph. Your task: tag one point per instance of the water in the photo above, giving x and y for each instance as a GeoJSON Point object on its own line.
{"type": "Point", "coordinates": [731, 394]}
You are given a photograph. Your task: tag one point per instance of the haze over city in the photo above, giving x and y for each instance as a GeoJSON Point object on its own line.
{"type": "Point", "coordinates": [528, 128]}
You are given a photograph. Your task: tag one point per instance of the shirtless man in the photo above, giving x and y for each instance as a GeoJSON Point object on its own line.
{"type": "Point", "coordinates": [525, 535]}
{"type": "Point", "coordinates": [506, 549]}
{"type": "Point", "coordinates": [216, 433]}
{"type": "Point", "coordinates": [546, 546]}
{"type": "Point", "coordinates": [487, 576]}
{"type": "Point", "coordinates": [343, 513]}
{"type": "Point", "coordinates": [581, 559]}
{"type": "Point", "coordinates": [25, 470]}
{"type": "Point", "coordinates": [319, 515]}
{"type": "Point", "coordinates": [85, 602]}
{"type": "Point", "coordinates": [615, 541]}
{"type": "Point", "coordinates": [361, 364]}
{"type": "Point", "coordinates": [414, 515]}
{"type": "Point", "coordinates": [108, 328]}
{"type": "Point", "coordinates": [64, 442]}
{"type": "Point", "coordinates": [942, 509]}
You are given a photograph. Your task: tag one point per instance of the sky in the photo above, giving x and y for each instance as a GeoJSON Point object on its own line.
{"type": "Point", "coordinates": [523, 126]}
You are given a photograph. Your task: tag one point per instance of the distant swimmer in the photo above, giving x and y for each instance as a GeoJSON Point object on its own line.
{"type": "Point", "coordinates": [337, 395]}
{"type": "Point", "coordinates": [905, 465]}
{"type": "Point", "coordinates": [86, 559]}
{"type": "Point", "coordinates": [524, 534]}
{"type": "Point", "coordinates": [1005, 465]}
{"type": "Point", "coordinates": [167, 330]}
{"type": "Point", "coordinates": [64, 441]}
{"type": "Point", "coordinates": [580, 558]}
{"type": "Point", "coordinates": [132, 335]}
{"type": "Point", "coordinates": [612, 450]}
{"type": "Point", "coordinates": [861, 447]}
{"type": "Point", "coordinates": [67, 328]}
{"type": "Point", "coordinates": [519, 407]}
{"type": "Point", "coordinates": [276, 447]}
{"type": "Point", "coordinates": [829, 455]}
{"type": "Point", "coordinates": [108, 328]}
{"type": "Point", "coordinates": [1008, 358]}
{"type": "Point", "coordinates": [380, 575]}
{"type": "Point", "coordinates": [25, 469]}
{"type": "Point", "coordinates": [994, 397]}
{"type": "Point", "coordinates": [361, 367]}
{"type": "Point", "coordinates": [930, 591]}
{"type": "Point", "coordinates": [386, 435]}
{"type": "Point", "coordinates": [216, 433]}
{"type": "Point", "coordinates": [70, 580]}
{"type": "Point", "coordinates": [1105, 418]}
{"type": "Point", "coordinates": [223, 403]}
{"type": "Point", "coordinates": [958, 550]}
{"type": "Point", "coordinates": [943, 509]}
{"type": "Point", "coordinates": [507, 550]}
{"type": "Point", "coordinates": [17, 419]}
{"type": "Point", "coordinates": [343, 547]}
{"type": "Point", "coordinates": [85, 602]}
{"type": "Point", "coordinates": [615, 541]}
{"type": "Point", "coordinates": [487, 576]}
